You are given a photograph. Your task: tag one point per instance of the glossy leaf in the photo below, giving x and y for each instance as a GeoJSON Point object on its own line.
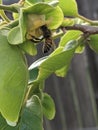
{"type": "Point", "coordinates": [56, 18]}
{"type": "Point", "coordinates": [33, 1]}
{"type": "Point", "coordinates": [69, 7]}
{"type": "Point", "coordinates": [23, 25]}
{"type": "Point", "coordinates": [39, 8]}
{"type": "Point", "coordinates": [57, 61]}
{"type": "Point", "coordinates": [50, 2]}
{"type": "Point", "coordinates": [53, 18]}
{"type": "Point", "coordinates": [15, 15]}
{"type": "Point", "coordinates": [67, 22]}
{"type": "Point", "coordinates": [80, 49]}
{"type": "Point", "coordinates": [14, 36]}
{"type": "Point", "coordinates": [31, 117]}
{"type": "Point", "coordinates": [94, 42]}
{"type": "Point", "coordinates": [13, 80]}
{"type": "Point", "coordinates": [70, 35]}
{"type": "Point", "coordinates": [33, 73]}
{"type": "Point", "coordinates": [29, 48]}
{"type": "Point", "coordinates": [48, 106]}
{"type": "Point", "coordinates": [63, 71]}
{"type": "Point", "coordinates": [34, 69]}
{"type": "Point", "coordinates": [54, 15]}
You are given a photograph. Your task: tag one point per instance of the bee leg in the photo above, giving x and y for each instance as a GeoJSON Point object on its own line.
{"type": "Point", "coordinates": [36, 40]}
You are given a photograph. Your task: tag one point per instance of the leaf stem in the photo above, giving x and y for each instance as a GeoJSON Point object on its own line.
{"type": "Point", "coordinates": [87, 20]}
{"type": "Point", "coordinates": [4, 17]}
{"type": "Point", "coordinates": [12, 24]}
{"type": "Point", "coordinates": [86, 29]}
{"type": "Point", "coordinates": [11, 8]}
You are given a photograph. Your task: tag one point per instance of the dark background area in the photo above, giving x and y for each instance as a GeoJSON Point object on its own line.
{"type": "Point", "coordinates": [76, 95]}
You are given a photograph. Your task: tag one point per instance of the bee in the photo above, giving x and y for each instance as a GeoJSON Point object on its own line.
{"type": "Point", "coordinates": [47, 36]}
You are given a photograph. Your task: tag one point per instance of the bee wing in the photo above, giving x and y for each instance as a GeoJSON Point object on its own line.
{"type": "Point", "coordinates": [48, 44]}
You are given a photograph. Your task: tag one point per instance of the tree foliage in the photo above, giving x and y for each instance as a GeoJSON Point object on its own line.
{"type": "Point", "coordinates": [23, 102]}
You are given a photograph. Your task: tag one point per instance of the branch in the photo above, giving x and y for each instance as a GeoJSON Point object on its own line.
{"type": "Point", "coordinates": [86, 29]}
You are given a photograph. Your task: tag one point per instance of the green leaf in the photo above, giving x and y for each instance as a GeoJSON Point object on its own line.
{"type": "Point", "coordinates": [30, 18]}
{"type": "Point", "coordinates": [70, 35]}
{"type": "Point", "coordinates": [67, 22]}
{"type": "Point", "coordinates": [56, 18]}
{"type": "Point", "coordinates": [57, 61]}
{"type": "Point", "coordinates": [29, 48]}
{"type": "Point", "coordinates": [80, 49]}
{"type": "Point", "coordinates": [50, 2]}
{"type": "Point", "coordinates": [33, 73]}
{"type": "Point", "coordinates": [39, 8]}
{"type": "Point", "coordinates": [63, 71]}
{"type": "Point", "coordinates": [23, 25]}
{"type": "Point", "coordinates": [4, 125]}
{"type": "Point", "coordinates": [17, 34]}
{"type": "Point", "coordinates": [15, 15]}
{"type": "Point", "coordinates": [69, 7]}
{"type": "Point", "coordinates": [53, 15]}
{"type": "Point", "coordinates": [33, 1]}
{"type": "Point", "coordinates": [34, 69]}
{"type": "Point", "coordinates": [31, 117]}
{"type": "Point", "coordinates": [48, 106]}
{"type": "Point", "coordinates": [13, 80]}
{"type": "Point", "coordinates": [14, 36]}
{"type": "Point", "coordinates": [94, 42]}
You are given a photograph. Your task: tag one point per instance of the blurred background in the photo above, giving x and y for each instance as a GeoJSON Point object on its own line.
{"type": "Point", "coordinates": [76, 95]}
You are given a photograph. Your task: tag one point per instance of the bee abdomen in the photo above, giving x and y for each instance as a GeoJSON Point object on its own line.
{"type": "Point", "coordinates": [47, 45]}
{"type": "Point", "coordinates": [46, 48]}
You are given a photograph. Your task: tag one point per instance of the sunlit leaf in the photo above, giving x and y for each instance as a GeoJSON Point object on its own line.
{"type": "Point", "coordinates": [63, 71]}
{"type": "Point", "coordinates": [80, 49]}
{"type": "Point", "coordinates": [14, 36]}
{"type": "Point", "coordinates": [56, 18]}
{"type": "Point", "coordinates": [57, 61]}
{"type": "Point", "coordinates": [34, 69]}
{"type": "Point", "coordinates": [67, 22]}
{"type": "Point", "coordinates": [33, 1]}
{"type": "Point", "coordinates": [23, 25]}
{"type": "Point", "coordinates": [54, 15]}
{"type": "Point", "coordinates": [13, 80]}
{"type": "Point", "coordinates": [39, 8]}
{"type": "Point", "coordinates": [29, 48]}
{"type": "Point", "coordinates": [69, 7]}
{"type": "Point", "coordinates": [50, 2]}
{"type": "Point", "coordinates": [70, 35]}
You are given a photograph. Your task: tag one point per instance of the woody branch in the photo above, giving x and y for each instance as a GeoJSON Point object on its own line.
{"type": "Point", "coordinates": [86, 29]}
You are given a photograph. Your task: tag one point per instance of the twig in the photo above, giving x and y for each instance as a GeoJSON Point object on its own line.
{"type": "Point", "coordinates": [3, 16]}
{"type": "Point", "coordinates": [11, 8]}
{"type": "Point", "coordinates": [86, 29]}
